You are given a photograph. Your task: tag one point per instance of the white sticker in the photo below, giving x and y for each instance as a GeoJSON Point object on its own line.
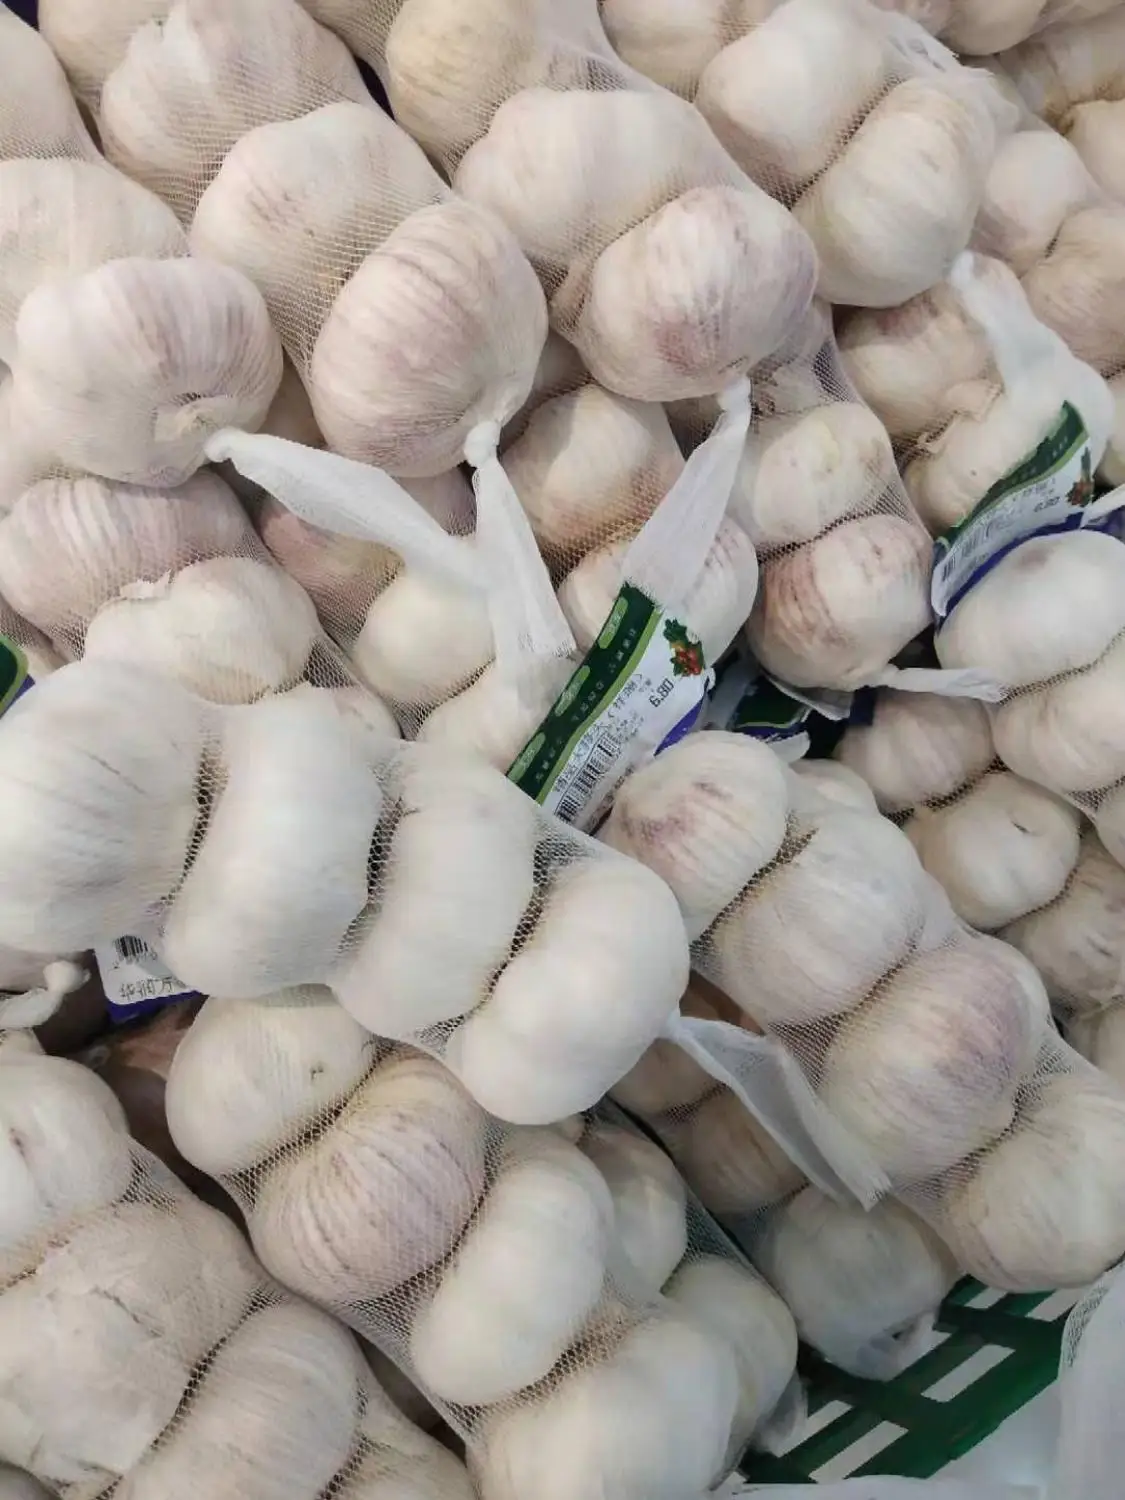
{"type": "Point", "coordinates": [135, 979]}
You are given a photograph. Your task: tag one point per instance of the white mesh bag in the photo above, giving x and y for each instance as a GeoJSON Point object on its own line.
{"type": "Point", "coordinates": [38, 116]}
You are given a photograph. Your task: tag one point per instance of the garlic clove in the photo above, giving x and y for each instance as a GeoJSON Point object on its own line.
{"type": "Point", "coordinates": [1078, 288]}
{"type": "Point", "coordinates": [38, 115]}
{"type": "Point", "coordinates": [648, 1209]}
{"type": "Point", "coordinates": [728, 1160]}
{"type": "Point", "coordinates": [252, 1075]}
{"type": "Point", "coordinates": [1101, 1038]}
{"type": "Point", "coordinates": [1038, 180]}
{"type": "Point", "coordinates": [437, 934]}
{"type": "Point", "coordinates": [834, 612]}
{"type": "Point", "coordinates": [496, 715]}
{"type": "Point", "coordinates": [706, 816]}
{"type": "Point", "coordinates": [919, 747]}
{"type": "Point", "coordinates": [231, 629]}
{"type": "Point", "coordinates": [382, 1194]}
{"type": "Point", "coordinates": [296, 791]}
{"type": "Point", "coordinates": [523, 1281]}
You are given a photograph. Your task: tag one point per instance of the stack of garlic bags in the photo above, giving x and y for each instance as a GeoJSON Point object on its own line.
{"type": "Point", "coordinates": [876, 138]}
{"type": "Point", "coordinates": [926, 1045]}
{"type": "Point", "coordinates": [145, 1350]}
{"type": "Point", "coordinates": [484, 1259]}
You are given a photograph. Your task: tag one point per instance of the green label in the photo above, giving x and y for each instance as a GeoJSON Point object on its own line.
{"type": "Point", "coordinates": [14, 678]}
{"type": "Point", "coordinates": [766, 712]}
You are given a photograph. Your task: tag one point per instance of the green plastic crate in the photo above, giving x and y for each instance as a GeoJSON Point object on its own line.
{"type": "Point", "coordinates": [1000, 1352]}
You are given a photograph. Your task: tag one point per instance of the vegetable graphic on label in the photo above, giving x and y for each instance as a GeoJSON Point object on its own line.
{"type": "Point", "coordinates": [687, 651]}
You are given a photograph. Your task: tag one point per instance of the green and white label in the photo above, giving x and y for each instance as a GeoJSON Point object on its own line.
{"type": "Point", "coordinates": [1049, 491]}
{"type": "Point", "coordinates": [640, 687]}
{"type": "Point", "coordinates": [15, 679]}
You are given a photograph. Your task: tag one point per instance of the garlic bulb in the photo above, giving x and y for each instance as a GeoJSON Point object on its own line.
{"type": "Point", "coordinates": [341, 574]}
{"type": "Point", "coordinates": [437, 935]}
{"type": "Point", "coordinates": [189, 84]}
{"type": "Point", "coordinates": [1110, 824]}
{"type": "Point", "coordinates": [784, 98]}
{"type": "Point", "coordinates": [523, 1281]}
{"type": "Point", "coordinates": [1003, 849]}
{"type": "Point", "coordinates": [706, 816]}
{"type": "Point", "coordinates": [825, 923]}
{"type": "Point", "coordinates": [1076, 942]}
{"type": "Point", "coordinates": [95, 754]}
{"type": "Point", "coordinates": [370, 713]}
{"type": "Point", "coordinates": [728, 1159]}
{"type": "Point", "coordinates": [1045, 1207]}
{"type": "Point", "coordinates": [274, 1415]}
{"type": "Point", "coordinates": [833, 612]}
{"type": "Point", "coordinates": [297, 797]}
{"type": "Point", "coordinates": [1078, 289]}
{"type": "Point", "coordinates": [68, 546]}
{"type": "Point", "coordinates": [382, 1194]}
{"type": "Point", "coordinates": [802, 474]}
{"type": "Point", "coordinates": [64, 1153]}
{"type": "Point", "coordinates": [450, 285]}
{"type": "Point", "coordinates": [855, 1280]}
{"type": "Point", "coordinates": [984, 27]}
{"type": "Point", "coordinates": [589, 466]}
{"type": "Point", "coordinates": [88, 42]}
{"type": "Point", "coordinates": [672, 42]}
{"type": "Point", "coordinates": [1068, 64]}
{"type": "Point", "coordinates": [496, 715]}
{"type": "Point", "coordinates": [127, 370]}
{"type": "Point", "coordinates": [61, 217]}
{"type": "Point", "coordinates": [714, 608]}
{"type": "Point", "coordinates": [98, 1344]}
{"type": "Point", "coordinates": [559, 372]}
{"type": "Point", "coordinates": [837, 783]}
{"type": "Point", "coordinates": [1101, 1038]}
{"type": "Point", "coordinates": [546, 1042]}
{"type": "Point", "coordinates": [650, 1420]}
{"type": "Point", "coordinates": [1094, 130]}
{"type": "Point", "coordinates": [252, 1075]}
{"type": "Point", "coordinates": [1050, 607]}
{"type": "Point", "coordinates": [927, 1072]}
{"type": "Point", "coordinates": [396, 1459]}
{"type": "Point", "coordinates": [649, 1207]}
{"type": "Point", "coordinates": [1038, 180]}
{"type": "Point", "coordinates": [38, 115]}
{"type": "Point", "coordinates": [231, 629]}
{"type": "Point", "coordinates": [918, 748]}
{"type": "Point", "coordinates": [666, 1078]}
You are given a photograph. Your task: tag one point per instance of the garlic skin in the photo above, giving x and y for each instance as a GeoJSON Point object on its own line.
{"type": "Point", "coordinates": [1093, 130]}
{"type": "Point", "coordinates": [825, 924]}
{"type": "Point", "coordinates": [61, 217]}
{"type": "Point", "coordinates": [926, 1073]}
{"type": "Point", "coordinates": [984, 29]}
{"type": "Point", "coordinates": [648, 1207]}
{"type": "Point", "coordinates": [68, 546]}
{"type": "Point", "coordinates": [127, 370]}
{"type": "Point", "coordinates": [231, 629]}
{"type": "Point", "coordinates": [523, 1281]}
{"type": "Point", "coordinates": [854, 1279]}
{"type": "Point", "coordinates": [438, 330]}
{"type": "Point", "coordinates": [436, 935]}
{"type": "Point", "coordinates": [716, 605]}
{"type": "Point", "coordinates": [728, 1160]}
{"type": "Point", "coordinates": [666, 1078]}
{"type": "Point", "coordinates": [545, 1044]}
{"type": "Point", "coordinates": [589, 466]}
{"type": "Point", "coordinates": [100, 1340]}
{"type": "Point", "coordinates": [1101, 1038]}
{"type": "Point", "coordinates": [672, 42]}
{"type": "Point", "coordinates": [395, 1452]}
{"type": "Point", "coordinates": [1045, 1207]}
{"type": "Point", "coordinates": [651, 1420]}
{"type": "Point", "coordinates": [1078, 289]}
{"type": "Point", "coordinates": [706, 816]}
{"type": "Point", "coordinates": [382, 1194]}
{"type": "Point", "coordinates": [496, 715]}
{"type": "Point", "coordinates": [1050, 607]}
{"type": "Point", "coordinates": [297, 793]}
{"type": "Point", "coordinates": [919, 747]}
{"type": "Point", "coordinates": [837, 783]}
{"type": "Point", "coordinates": [90, 44]}
{"type": "Point", "coordinates": [340, 574]}
{"type": "Point", "coordinates": [1003, 849]}
{"type": "Point", "coordinates": [1038, 180]}
{"type": "Point", "coordinates": [38, 115]}
{"type": "Point", "coordinates": [834, 612]}
{"type": "Point", "coordinates": [252, 1075]}
{"type": "Point", "coordinates": [96, 753]}
{"type": "Point", "coordinates": [1076, 941]}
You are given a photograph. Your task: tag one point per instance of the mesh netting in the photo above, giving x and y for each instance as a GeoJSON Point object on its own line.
{"type": "Point", "coordinates": [38, 115]}
{"type": "Point", "coordinates": [144, 1348]}
{"type": "Point", "coordinates": [90, 37]}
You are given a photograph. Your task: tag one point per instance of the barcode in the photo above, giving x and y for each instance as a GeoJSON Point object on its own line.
{"type": "Point", "coordinates": [601, 759]}
{"type": "Point", "coordinates": [132, 949]}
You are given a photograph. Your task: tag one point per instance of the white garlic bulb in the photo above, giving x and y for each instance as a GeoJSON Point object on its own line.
{"type": "Point", "coordinates": [396, 1457]}
{"type": "Point", "coordinates": [497, 714]}
{"type": "Point", "coordinates": [706, 816]}
{"type": "Point", "coordinates": [449, 284]}
{"type": "Point", "coordinates": [648, 1420]}
{"type": "Point", "coordinates": [984, 27]}
{"type": "Point", "coordinates": [251, 1075]}
{"type": "Point", "coordinates": [68, 546]}
{"type": "Point", "coordinates": [230, 629]}
{"type": "Point", "coordinates": [1051, 606]}
{"type": "Point", "coordinates": [559, 372]}
{"type": "Point", "coordinates": [666, 1078]}
{"type": "Point", "coordinates": [832, 916]}
{"type": "Point", "coordinates": [833, 612]}
{"type": "Point", "coordinates": [927, 1072]}
{"type": "Point", "coordinates": [714, 607]}
{"type": "Point", "coordinates": [728, 1159]}
{"type": "Point", "coordinates": [88, 42]}
{"type": "Point", "coordinates": [379, 1196]}
{"type": "Point", "coordinates": [61, 217]}
{"type": "Point", "coordinates": [437, 935]}
{"type": "Point", "coordinates": [127, 370]}
{"type": "Point", "coordinates": [545, 1043]}
{"type": "Point", "coordinates": [96, 753]}
{"type": "Point", "coordinates": [837, 783]}
{"type": "Point", "coordinates": [1078, 290]}
{"type": "Point", "coordinates": [1045, 1207]}
{"type": "Point", "coordinates": [649, 1207]}
{"type": "Point", "coordinates": [1037, 181]}
{"type": "Point", "coordinates": [297, 793]}
{"type": "Point", "coordinates": [855, 1280]}
{"type": "Point", "coordinates": [1101, 1038]}
{"type": "Point", "coordinates": [340, 574]}
{"type": "Point", "coordinates": [38, 115]}
{"type": "Point", "coordinates": [918, 748]}
{"type": "Point", "coordinates": [1093, 129]}
{"type": "Point", "coordinates": [672, 42]}
{"type": "Point", "coordinates": [523, 1281]}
